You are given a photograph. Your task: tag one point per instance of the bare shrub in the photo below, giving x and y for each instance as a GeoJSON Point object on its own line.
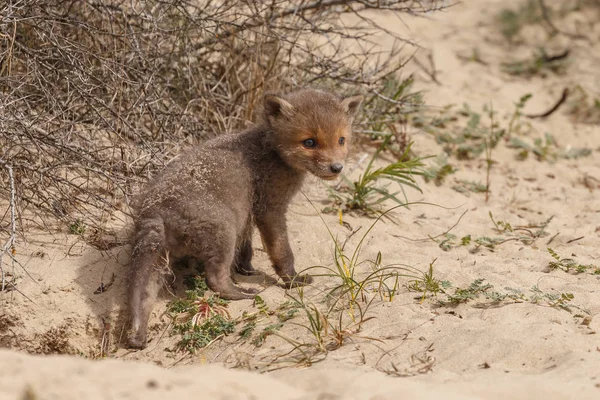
{"type": "Point", "coordinates": [95, 95]}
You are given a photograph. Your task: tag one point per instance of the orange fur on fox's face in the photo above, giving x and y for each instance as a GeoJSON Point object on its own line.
{"type": "Point", "coordinates": [312, 130]}
{"type": "Point", "coordinates": [320, 151]}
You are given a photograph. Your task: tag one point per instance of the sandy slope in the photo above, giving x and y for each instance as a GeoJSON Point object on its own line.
{"type": "Point", "coordinates": [477, 349]}
{"type": "Point", "coordinates": [61, 377]}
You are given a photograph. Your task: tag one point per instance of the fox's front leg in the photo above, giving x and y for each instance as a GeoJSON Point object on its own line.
{"type": "Point", "coordinates": [273, 231]}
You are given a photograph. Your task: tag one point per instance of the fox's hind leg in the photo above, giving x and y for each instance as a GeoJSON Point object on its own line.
{"type": "Point", "coordinates": [218, 268]}
{"type": "Point", "coordinates": [149, 261]}
{"type": "Point", "coordinates": [243, 256]}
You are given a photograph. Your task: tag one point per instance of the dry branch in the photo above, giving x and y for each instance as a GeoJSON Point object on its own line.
{"type": "Point", "coordinates": [9, 245]}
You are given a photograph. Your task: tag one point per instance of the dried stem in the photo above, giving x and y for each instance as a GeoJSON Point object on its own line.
{"type": "Point", "coordinates": [9, 245]}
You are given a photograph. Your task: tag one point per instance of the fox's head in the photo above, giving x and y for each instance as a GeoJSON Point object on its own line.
{"type": "Point", "coordinates": [311, 129]}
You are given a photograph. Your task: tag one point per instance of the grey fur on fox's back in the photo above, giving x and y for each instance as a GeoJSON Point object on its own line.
{"type": "Point", "coordinates": [205, 203]}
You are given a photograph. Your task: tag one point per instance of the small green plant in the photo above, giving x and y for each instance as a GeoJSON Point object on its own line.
{"type": "Point", "coordinates": [267, 331]}
{"type": "Point", "coordinates": [547, 149]}
{"type": "Point", "coordinates": [328, 328]}
{"type": "Point", "coordinates": [539, 63]}
{"type": "Point", "coordinates": [472, 140]}
{"type": "Point", "coordinates": [473, 56]}
{"type": "Point", "coordinates": [542, 148]}
{"type": "Point", "coordinates": [479, 288]}
{"type": "Point", "coordinates": [525, 234]}
{"type": "Point", "coordinates": [302, 352]}
{"type": "Point", "coordinates": [385, 102]}
{"type": "Point", "coordinates": [287, 313]}
{"type": "Point", "coordinates": [555, 300]}
{"type": "Point", "coordinates": [283, 313]}
{"type": "Point", "coordinates": [467, 187]}
{"type": "Point", "coordinates": [514, 124]}
{"type": "Point", "coordinates": [435, 124]}
{"type": "Point", "coordinates": [196, 283]}
{"type": "Point", "coordinates": [439, 170]}
{"type": "Point", "coordinates": [461, 295]}
{"type": "Point", "coordinates": [199, 318]}
{"type": "Point", "coordinates": [570, 265]}
{"type": "Point", "coordinates": [354, 284]}
{"type": "Point", "coordinates": [382, 279]}
{"type": "Point", "coordinates": [317, 321]}
{"type": "Point", "coordinates": [489, 146]}
{"type": "Point", "coordinates": [366, 195]}
{"type": "Point", "coordinates": [512, 21]}
{"type": "Point", "coordinates": [528, 233]}
{"type": "Point", "coordinates": [247, 330]}
{"type": "Point", "coordinates": [195, 336]}
{"type": "Point", "coordinates": [428, 284]}
{"type": "Point", "coordinates": [388, 109]}
{"type": "Point", "coordinates": [500, 225]}
{"type": "Point", "coordinates": [448, 241]}
{"type": "Point", "coordinates": [77, 227]}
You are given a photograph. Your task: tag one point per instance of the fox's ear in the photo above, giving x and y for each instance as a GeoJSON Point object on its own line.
{"type": "Point", "coordinates": [351, 105]}
{"type": "Point", "coordinates": [276, 106]}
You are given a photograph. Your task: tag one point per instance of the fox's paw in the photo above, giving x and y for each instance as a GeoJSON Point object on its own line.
{"type": "Point", "coordinates": [297, 281]}
{"type": "Point", "coordinates": [136, 341]}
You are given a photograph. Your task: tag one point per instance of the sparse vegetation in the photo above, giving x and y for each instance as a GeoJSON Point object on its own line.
{"type": "Point", "coordinates": [439, 170]}
{"type": "Point", "coordinates": [479, 289]}
{"type": "Point", "coordinates": [366, 194]}
{"type": "Point", "coordinates": [353, 285]}
{"type": "Point", "coordinates": [267, 331]}
{"type": "Point", "coordinates": [77, 227]}
{"type": "Point", "coordinates": [514, 126]}
{"type": "Point", "coordinates": [472, 140]}
{"type": "Point", "coordinates": [467, 187]}
{"type": "Point", "coordinates": [337, 313]}
{"type": "Point", "coordinates": [527, 235]}
{"type": "Point", "coordinates": [198, 335]}
{"type": "Point", "coordinates": [512, 21]}
{"type": "Point", "coordinates": [547, 149]}
{"type": "Point", "coordinates": [393, 105]}
{"type": "Point", "coordinates": [538, 64]}
{"type": "Point", "coordinates": [430, 287]}
{"type": "Point", "coordinates": [570, 265]}
{"type": "Point", "coordinates": [200, 318]}
{"type": "Point", "coordinates": [428, 284]}
{"type": "Point", "coordinates": [282, 314]}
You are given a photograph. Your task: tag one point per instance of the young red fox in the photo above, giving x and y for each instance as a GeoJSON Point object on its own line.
{"type": "Point", "coordinates": [204, 204]}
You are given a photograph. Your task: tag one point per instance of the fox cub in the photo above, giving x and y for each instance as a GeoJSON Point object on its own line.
{"type": "Point", "coordinates": [205, 203]}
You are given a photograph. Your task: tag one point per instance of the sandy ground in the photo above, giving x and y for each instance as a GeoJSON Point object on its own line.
{"type": "Point", "coordinates": [478, 349]}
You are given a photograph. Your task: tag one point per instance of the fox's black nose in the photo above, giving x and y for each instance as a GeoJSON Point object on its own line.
{"type": "Point", "coordinates": [336, 168]}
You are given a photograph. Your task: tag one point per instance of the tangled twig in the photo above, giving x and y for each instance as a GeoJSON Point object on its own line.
{"type": "Point", "coordinates": [9, 245]}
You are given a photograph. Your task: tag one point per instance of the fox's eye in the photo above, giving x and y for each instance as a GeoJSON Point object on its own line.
{"type": "Point", "coordinates": [342, 140]}
{"type": "Point", "coordinates": [310, 143]}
